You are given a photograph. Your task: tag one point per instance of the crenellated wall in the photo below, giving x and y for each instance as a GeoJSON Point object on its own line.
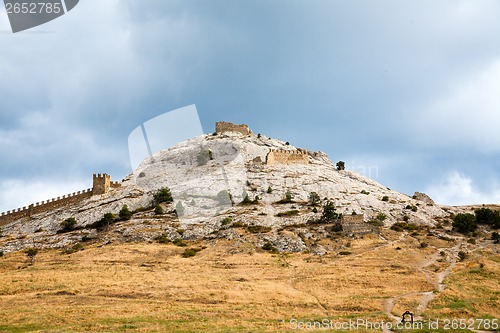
{"type": "Point", "coordinates": [287, 157]}
{"type": "Point", "coordinates": [222, 126]}
{"type": "Point", "coordinates": [101, 184]}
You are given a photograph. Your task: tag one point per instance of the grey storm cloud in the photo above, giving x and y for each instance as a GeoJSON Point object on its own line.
{"type": "Point", "coordinates": [396, 85]}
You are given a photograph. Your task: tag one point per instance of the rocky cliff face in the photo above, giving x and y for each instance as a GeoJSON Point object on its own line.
{"type": "Point", "coordinates": [209, 176]}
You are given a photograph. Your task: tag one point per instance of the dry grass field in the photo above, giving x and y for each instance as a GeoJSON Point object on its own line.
{"type": "Point", "coordinates": [150, 287]}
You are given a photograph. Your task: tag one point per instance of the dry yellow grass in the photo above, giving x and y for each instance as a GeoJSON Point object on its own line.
{"type": "Point", "coordinates": [150, 288]}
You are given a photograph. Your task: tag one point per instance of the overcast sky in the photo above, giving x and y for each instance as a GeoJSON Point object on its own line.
{"type": "Point", "coordinates": [407, 92]}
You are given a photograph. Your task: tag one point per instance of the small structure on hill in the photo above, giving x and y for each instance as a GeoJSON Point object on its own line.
{"type": "Point", "coordinates": [355, 224]}
{"type": "Point", "coordinates": [223, 127]}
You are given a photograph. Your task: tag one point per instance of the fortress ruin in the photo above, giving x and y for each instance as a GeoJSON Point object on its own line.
{"type": "Point", "coordinates": [101, 184]}
{"type": "Point", "coordinates": [222, 127]}
{"type": "Point", "coordinates": [355, 224]}
{"type": "Point", "coordinates": [282, 156]}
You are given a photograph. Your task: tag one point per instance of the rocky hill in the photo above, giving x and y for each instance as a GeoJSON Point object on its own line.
{"type": "Point", "coordinates": [224, 183]}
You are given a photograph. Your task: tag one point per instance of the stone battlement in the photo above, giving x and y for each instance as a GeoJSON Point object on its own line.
{"type": "Point", "coordinates": [222, 126]}
{"type": "Point", "coordinates": [282, 156]}
{"type": "Point", "coordinates": [101, 184]}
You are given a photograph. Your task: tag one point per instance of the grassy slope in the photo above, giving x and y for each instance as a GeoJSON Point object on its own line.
{"type": "Point", "coordinates": [151, 288]}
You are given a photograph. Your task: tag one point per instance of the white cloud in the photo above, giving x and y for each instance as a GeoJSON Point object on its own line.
{"type": "Point", "coordinates": [468, 115]}
{"type": "Point", "coordinates": [458, 189]}
{"type": "Point", "coordinates": [19, 193]}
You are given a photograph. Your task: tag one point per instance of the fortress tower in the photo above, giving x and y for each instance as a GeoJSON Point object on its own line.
{"type": "Point", "coordinates": [101, 183]}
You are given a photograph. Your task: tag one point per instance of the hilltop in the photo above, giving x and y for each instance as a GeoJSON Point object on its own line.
{"type": "Point", "coordinates": [235, 231]}
{"type": "Point", "coordinates": [209, 177]}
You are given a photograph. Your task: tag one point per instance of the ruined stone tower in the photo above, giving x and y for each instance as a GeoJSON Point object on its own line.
{"type": "Point", "coordinates": [101, 183]}
{"type": "Point", "coordinates": [222, 127]}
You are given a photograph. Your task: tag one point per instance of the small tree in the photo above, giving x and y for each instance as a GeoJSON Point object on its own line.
{"type": "Point", "coordinates": [106, 221]}
{"type": "Point", "coordinates": [464, 223]}
{"type": "Point", "coordinates": [329, 213]}
{"type": "Point", "coordinates": [162, 195]}
{"type": "Point", "coordinates": [68, 225]}
{"type": "Point", "coordinates": [314, 198]}
{"type": "Point", "coordinates": [159, 209]}
{"type": "Point", "coordinates": [269, 190]}
{"type": "Point", "coordinates": [340, 165]}
{"type": "Point", "coordinates": [125, 213]}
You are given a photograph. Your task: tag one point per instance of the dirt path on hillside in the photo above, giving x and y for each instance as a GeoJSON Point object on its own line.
{"type": "Point", "coordinates": [437, 280]}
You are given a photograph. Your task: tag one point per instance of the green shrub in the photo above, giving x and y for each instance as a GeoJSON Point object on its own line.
{"type": "Point", "coordinates": [471, 241]}
{"type": "Point", "coordinates": [163, 239]}
{"type": "Point", "coordinates": [75, 248]}
{"type": "Point", "coordinates": [340, 165]}
{"type": "Point", "coordinates": [86, 238]}
{"type": "Point", "coordinates": [125, 214]}
{"type": "Point", "coordinates": [400, 226]}
{"type": "Point", "coordinates": [406, 218]}
{"type": "Point", "coordinates": [385, 198]}
{"type": "Point", "coordinates": [238, 225]}
{"type": "Point", "coordinates": [329, 213]}
{"type": "Point", "coordinates": [315, 210]}
{"type": "Point", "coordinates": [375, 222]}
{"type": "Point", "coordinates": [142, 174]}
{"type": "Point", "coordinates": [288, 198]}
{"type": "Point", "coordinates": [258, 229]}
{"type": "Point", "coordinates": [408, 207]}
{"type": "Point", "coordinates": [246, 200]}
{"type": "Point", "coordinates": [314, 199]}
{"type": "Point", "coordinates": [191, 252]}
{"type": "Point", "coordinates": [414, 208]}
{"type": "Point", "coordinates": [68, 225]}
{"type": "Point", "coordinates": [106, 221]}
{"type": "Point", "coordinates": [269, 190]}
{"type": "Point", "coordinates": [365, 192]}
{"type": "Point", "coordinates": [269, 247]}
{"type": "Point", "coordinates": [345, 253]}
{"type": "Point", "coordinates": [1, 253]}
{"type": "Point", "coordinates": [462, 255]}
{"type": "Point", "coordinates": [31, 252]}
{"type": "Point", "coordinates": [162, 195]}
{"type": "Point", "coordinates": [336, 227]}
{"type": "Point", "coordinates": [381, 217]}
{"type": "Point", "coordinates": [159, 210]}
{"type": "Point", "coordinates": [464, 223]}
{"type": "Point", "coordinates": [179, 242]}
{"type": "Point", "coordinates": [423, 245]}
{"type": "Point", "coordinates": [226, 221]}
{"type": "Point", "coordinates": [488, 217]}
{"type": "Point", "coordinates": [292, 212]}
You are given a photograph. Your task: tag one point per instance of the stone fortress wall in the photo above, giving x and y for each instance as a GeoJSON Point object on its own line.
{"type": "Point", "coordinates": [282, 156]}
{"type": "Point", "coordinates": [222, 126]}
{"type": "Point", "coordinates": [101, 185]}
{"type": "Point", "coordinates": [355, 224]}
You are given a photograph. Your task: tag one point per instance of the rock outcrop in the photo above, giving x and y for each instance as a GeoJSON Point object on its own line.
{"type": "Point", "coordinates": [209, 176]}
